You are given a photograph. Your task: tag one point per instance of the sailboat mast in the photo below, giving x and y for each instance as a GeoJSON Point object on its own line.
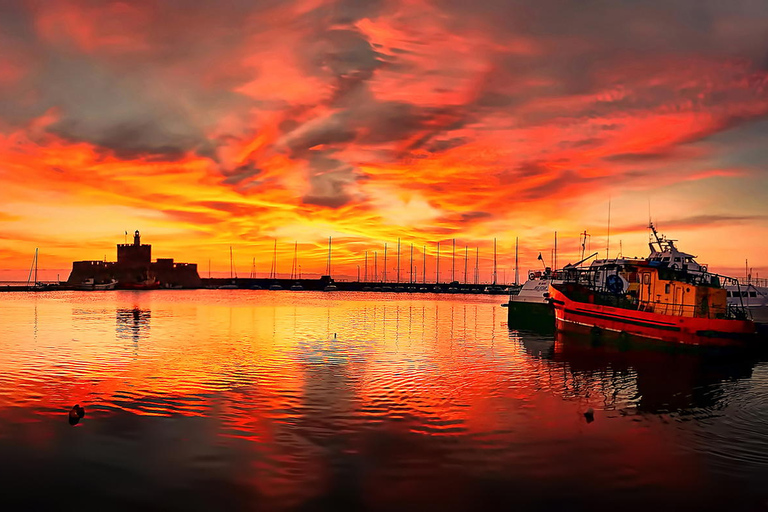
{"type": "Point", "coordinates": [328, 270]}
{"type": "Point", "coordinates": [376, 266]}
{"type": "Point", "coordinates": [230, 263]}
{"type": "Point", "coordinates": [517, 272]}
{"type": "Point", "coordinates": [398, 260]}
{"type": "Point", "coordinates": [295, 269]}
{"type": "Point", "coordinates": [477, 265]}
{"type": "Point", "coordinates": [608, 239]}
{"type": "Point", "coordinates": [36, 249]}
{"type": "Point", "coordinates": [437, 266]}
{"type": "Point", "coordinates": [554, 266]}
{"type": "Point", "coordinates": [465, 264]}
{"type": "Point", "coordinates": [411, 280]}
{"type": "Point", "coordinates": [453, 262]}
{"type": "Point", "coordinates": [424, 264]}
{"type": "Point", "coordinates": [385, 262]}
{"type": "Point", "coordinates": [494, 261]}
{"type": "Point", "coordinates": [366, 267]}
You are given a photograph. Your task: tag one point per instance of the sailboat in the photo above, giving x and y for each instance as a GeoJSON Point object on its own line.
{"type": "Point", "coordinates": [330, 287]}
{"type": "Point", "coordinates": [232, 276]}
{"type": "Point", "coordinates": [37, 286]}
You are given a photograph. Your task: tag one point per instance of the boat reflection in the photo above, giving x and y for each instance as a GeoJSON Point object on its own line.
{"type": "Point", "coordinates": [652, 378]}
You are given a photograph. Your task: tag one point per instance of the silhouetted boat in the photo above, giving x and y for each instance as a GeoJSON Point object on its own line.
{"type": "Point", "coordinates": [91, 284]}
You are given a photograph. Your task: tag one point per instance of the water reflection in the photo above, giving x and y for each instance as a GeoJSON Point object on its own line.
{"type": "Point", "coordinates": [132, 323]}
{"type": "Point", "coordinates": [257, 400]}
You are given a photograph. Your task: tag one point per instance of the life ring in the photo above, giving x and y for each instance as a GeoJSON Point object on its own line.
{"type": "Point", "coordinates": [531, 276]}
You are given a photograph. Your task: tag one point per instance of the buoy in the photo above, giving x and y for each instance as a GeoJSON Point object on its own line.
{"type": "Point", "coordinates": [334, 335]}
{"type": "Point", "coordinates": [76, 414]}
{"type": "Point", "coordinates": [589, 414]}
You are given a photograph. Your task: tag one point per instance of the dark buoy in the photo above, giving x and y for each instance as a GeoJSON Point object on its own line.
{"type": "Point", "coordinates": [589, 414]}
{"type": "Point", "coordinates": [334, 335]}
{"type": "Point", "coordinates": [76, 414]}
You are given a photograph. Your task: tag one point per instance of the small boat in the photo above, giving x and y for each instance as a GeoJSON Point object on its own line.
{"type": "Point", "coordinates": [751, 297]}
{"type": "Point", "coordinates": [228, 287]}
{"type": "Point", "coordinates": [91, 284]}
{"type": "Point", "coordinates": [331, 288]}
{"type": "Point", "coordinates": [296, 287]}
{"type": "Point", "coordinates": [437, 289]}
{"type": "Point", "coordinates": [667, 297]}
{"type": "Point", "coordinates": [275, 287]}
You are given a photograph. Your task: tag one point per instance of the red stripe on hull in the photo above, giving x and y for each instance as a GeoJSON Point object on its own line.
{"type": "Point", "coordinates": [580, 316]}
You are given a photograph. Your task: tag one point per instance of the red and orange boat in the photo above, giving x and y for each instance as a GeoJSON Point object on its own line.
{"type": "Point", "coordinates": [667, 296]}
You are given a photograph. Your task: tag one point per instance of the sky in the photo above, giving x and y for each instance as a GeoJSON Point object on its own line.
{"type": "Point", "coordinates": [207, 125]}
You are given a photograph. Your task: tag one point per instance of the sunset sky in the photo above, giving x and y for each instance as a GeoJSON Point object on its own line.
{"type": "Point", "coordinates": [207, 125]}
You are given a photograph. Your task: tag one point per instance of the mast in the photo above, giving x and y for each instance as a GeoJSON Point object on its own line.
{"type": "Point", "coordinates": [366, 266]}
{"type": "Point", "coordinates": [608, 240]}
{"type": "Point", "coordinates": [477, 264]}
{"type": "Point", "coordinates": [328, 269]}
{"type": "Point", "coordinates": [273, 270]}
{"type": "Point", "coordinates": [437, 266]}
{"type": "Point", "coordinates": [411, 280]}
{"type": "Point", "coordinates": [36, 249]}
{"type": "Point", "coordinates": [253, 267]}
{"type": "Point", "coordinates": [554, 261]}
{"type": "Point", "coordinates": [494, 261]}
{"type": "Point", "coordinates": [376, 266]}
{"type": "Point", "coordinates": [398, 260]}
{"type": "Point", "coordinates": [385, 262]}
{"type": "Point", "coordinates": [424, 264]}
{"type": "Point", "coordinates": [230, 262]}
{"type": "Point", "coordinates": [465, 264]}
{"type": "Point", "coordinates": [295, 268]}
{"type": "Point", "coordinates": [453, 262]}
{"type": "Point", "coordinates": [517, 273]}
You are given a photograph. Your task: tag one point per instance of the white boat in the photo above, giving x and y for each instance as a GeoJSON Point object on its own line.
{"type": "Point", "coordinates": [753, 298]}
{"type": "Point", "coordinates": [91, 284]}
{"type": "Point", "coordinates": [331, 288]}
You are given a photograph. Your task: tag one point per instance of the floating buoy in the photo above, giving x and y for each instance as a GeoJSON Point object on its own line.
{"type": "Point", "coordinates": [76, 414]}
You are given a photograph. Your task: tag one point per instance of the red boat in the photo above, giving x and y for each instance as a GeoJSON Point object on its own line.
{"type": "Point", "coordinates": [667, 297]}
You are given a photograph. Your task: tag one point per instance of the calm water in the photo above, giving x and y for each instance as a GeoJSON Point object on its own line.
{"type": "Point", "coordinates": [257, 400]}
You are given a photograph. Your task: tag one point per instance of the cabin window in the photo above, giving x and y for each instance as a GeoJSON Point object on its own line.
{"type": "Point", "coordinates": [753, 294]}
{"type": "Point", "coordinates": [743, 294]}
{"type": "Point", "coordinates": [666, 288]}
{"type": "Point", "coordinates": [728, 293]}
{"type": "Point", "coordinates": [646, 279]}
{"type": "Point", "coordinates": [665, 258]}
{"type": "Point", "coordinates": [677, 259]}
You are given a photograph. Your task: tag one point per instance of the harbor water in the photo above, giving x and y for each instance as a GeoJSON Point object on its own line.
{"type": "Point", "coordinates": [259, 400]}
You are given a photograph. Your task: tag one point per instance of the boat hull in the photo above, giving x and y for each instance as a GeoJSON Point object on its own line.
{"type": "Point", "coordinates": [535, 316]}
{"type": "Point", "coordinates": [574, 316]}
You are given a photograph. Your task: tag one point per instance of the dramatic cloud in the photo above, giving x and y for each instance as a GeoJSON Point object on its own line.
{"type": "Point", "coordinates": [208, 125]}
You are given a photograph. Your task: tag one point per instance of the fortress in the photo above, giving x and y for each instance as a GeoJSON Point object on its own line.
{"type": "Point", "coordinates": [134, 269]}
